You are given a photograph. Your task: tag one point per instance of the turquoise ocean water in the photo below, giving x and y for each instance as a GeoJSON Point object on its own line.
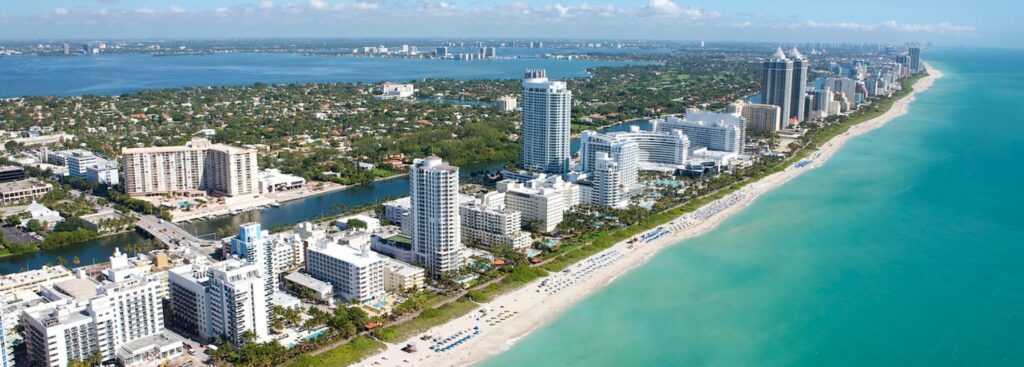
{"type": "Point", "coordinates": [905, 249]}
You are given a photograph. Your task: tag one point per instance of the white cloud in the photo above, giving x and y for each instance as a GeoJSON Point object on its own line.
{"type": "Point", "coordinates": [669, 9]}
{"type": "Point", "coordinates": [563, 11]}
{"type": "Point", "coordinates": [146, 10]}
{"type": "Point", "coordinates": [60, 11]}
{"type": "Point", "coordinates": [318, 4]}
{"type": "Point", "coordinates": [943, 27]}
{"type": "Point", "coordinates": [266, 4]}
{"type": "Point", "coordinates": [365, 6]}
{"type": "Point", "coordinates": [175, 9]}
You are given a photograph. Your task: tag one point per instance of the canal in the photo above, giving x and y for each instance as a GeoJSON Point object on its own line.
{"type": "Point", "coordinates": [291, 212]}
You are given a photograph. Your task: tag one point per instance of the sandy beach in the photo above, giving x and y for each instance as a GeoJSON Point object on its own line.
{"type": "Point", "coordinates": [498, 324]}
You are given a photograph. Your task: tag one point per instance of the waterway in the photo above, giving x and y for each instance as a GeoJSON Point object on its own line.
{"type": "Point", "coordinates": [291, 212]}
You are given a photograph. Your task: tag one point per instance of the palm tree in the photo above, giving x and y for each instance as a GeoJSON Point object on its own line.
{"type": "Point", "coordinates": [75, 260]}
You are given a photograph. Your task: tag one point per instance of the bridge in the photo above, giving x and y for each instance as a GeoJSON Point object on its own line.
{"type": "Point", "coordinates": [171, 234]}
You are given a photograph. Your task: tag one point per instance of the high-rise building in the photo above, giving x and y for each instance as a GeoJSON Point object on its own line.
{"type": "Point", "coordinates": [624, 151]}
{"type": "Point", "coordinates": [761, 119]}
{"type": "Point", "coordinates": [434, 187]}
{"type": "Point", "coordinates": [254, 245]}
{"type": "Point", "coordinates": [609, 190]}
{"type": "Point", "coordinates": [226, 299]}
{"type": "Point", "coordinates": [657, 151]}
{"type": "Point", "coordinates": [715, 131]}
{"type": "Point", "coordinates": [506, 103]}
{"type": "Point", "coordinates": [196, 166]}
{"type": "Point", "coordinates": [798, 86]}
{"type": "Point", "coordinates": [546, 111]}
{"type": "Point", "coordinates": [355, 274]}
{"type": "Point", "coordinates": [85, 316]}
{"type": "Point", "coordinates": [915, 60]}
{"type": "Point", "coordinates": [7, 323]}
{"type": "Point", "coordinates": [777, 83]}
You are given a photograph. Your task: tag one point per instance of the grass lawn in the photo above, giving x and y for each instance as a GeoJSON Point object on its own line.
{"type": "Point", "coordinates": [360, 347]}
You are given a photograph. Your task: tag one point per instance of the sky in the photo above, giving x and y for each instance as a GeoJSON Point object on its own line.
{"type": "Point", "coordinates": [946, 22]}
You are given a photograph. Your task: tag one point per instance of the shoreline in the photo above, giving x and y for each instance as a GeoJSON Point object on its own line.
{"type": "Point", "coordinates": [532, 307]}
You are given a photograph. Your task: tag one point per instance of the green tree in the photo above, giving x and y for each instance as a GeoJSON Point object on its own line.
{"type": "Point", "coordinates": [33, 225]}
{"type": "Point", "coordinates": [355, 223]}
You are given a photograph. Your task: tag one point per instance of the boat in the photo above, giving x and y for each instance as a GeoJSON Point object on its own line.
{"type": "Point", "coordinates": [275, 204]}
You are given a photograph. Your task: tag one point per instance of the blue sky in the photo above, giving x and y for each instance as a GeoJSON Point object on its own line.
{"type": "Point", "coordinates": [953, 23]}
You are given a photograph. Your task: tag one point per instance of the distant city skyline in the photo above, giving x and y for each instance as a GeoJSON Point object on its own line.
{"type": "Point", "coordinates": [784, 21]}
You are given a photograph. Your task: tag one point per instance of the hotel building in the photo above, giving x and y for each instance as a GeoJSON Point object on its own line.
{"type": "Point", "coordinates": [777, 82]}
{"type": "Point", "coordinates": [355, 274]}
{"type": "Point", "coordinates": [224, 299]}
{"type": "Point", "coordinates": [715, 131]}
{"type": "Point", "coordinates": [487, 221]}
{"type": "Point", "coordinates": [542, 200]}
{"type": "Point", "coordinates": [546, 111]}
{"type": "Point", "coordinates": [434, 215]}
{"type": "Point", "coordinates": [195, 168]}
{"type": "Point", "coordinates": [85, 316]}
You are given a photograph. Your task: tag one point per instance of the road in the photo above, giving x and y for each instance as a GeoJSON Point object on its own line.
{"type": "Point", "coordinates": [171, 234]}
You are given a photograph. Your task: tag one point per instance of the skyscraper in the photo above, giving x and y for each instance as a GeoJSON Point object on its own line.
{"type": "Point", "coordinates": [253, 244]}
{"type": "Point", "coordinates": [797, 107]}
{"type": "Point", "coordinates": [608, 185]}
{"type": "Point", "coordinates": [434, 187]}
{"type": "Point", "coordinates": [6, 323]}
{"type": "Point", "coordinates": [546, 109]}
{"type": "Point", "coordinates": [777, 83]}
{"type": "Point", "coordinates": [915, 59]}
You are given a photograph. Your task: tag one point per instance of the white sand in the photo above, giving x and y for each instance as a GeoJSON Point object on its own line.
{"type": "Point", "coordinates": [530, 308]}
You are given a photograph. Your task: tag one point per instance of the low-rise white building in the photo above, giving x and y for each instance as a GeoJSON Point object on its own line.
{"type": "Point", "coordinates": [400, 276]}
{"type": "Point", "coordinates": [356, 274]}
{"type": "Point", "coordinates": [14, 191]}
{"type": "Point", "coordinates": [488, 222]}
{"type": "Point", "coordinates": [32, 280]}
{"type": "Point", "coordinates": [543, 200]}
{"type": "Point", "coordinates": [391, 90]}
{"type": "Point", "coordinates": [272, 180]}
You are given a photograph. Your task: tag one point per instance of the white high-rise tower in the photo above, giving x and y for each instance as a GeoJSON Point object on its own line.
{"type": "Point", "coordinates": [437, 242]}
{"type": "Point", "coordinates": [546, 110]}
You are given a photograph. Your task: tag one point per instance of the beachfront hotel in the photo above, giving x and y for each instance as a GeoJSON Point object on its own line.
{"type": "Point", "coordinates": [542, 200]}
{"type": "Point", "coordinates": [434, 215]}
{"type": "Point", "coordinates": [224, 299]}
{"type": "Point", "coordinates": [798, 86]}
{"type": "Point", "coordinates": [623, 150]}
{"type": "Point", "coordinates": [546, 110]}
{"type": "Point", "coordinates": [82, 315]}
{"type": "Point", "coordinates": [712, 130]}
{"type": "Point", "coordinates": [196, 168]}
{"type": "Point", "coordinates": [777, 82]}
{"type": "Point", "coordinates": [609, 190]}
{"type": "Point", "coordinates": [488, 221]}
{"type": "Point", "coordinates": [355, 274]}
{"type": "Point", "coordinates": [761, 119]}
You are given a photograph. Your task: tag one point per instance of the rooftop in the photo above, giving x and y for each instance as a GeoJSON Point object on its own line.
{"type": "Point", "coordinates": [21, 185]}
